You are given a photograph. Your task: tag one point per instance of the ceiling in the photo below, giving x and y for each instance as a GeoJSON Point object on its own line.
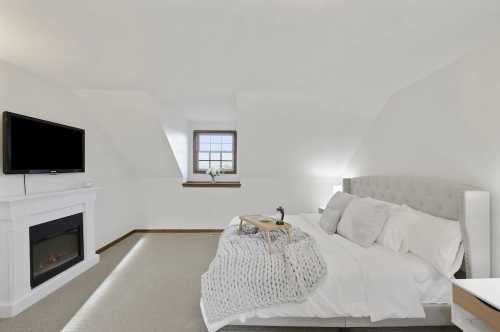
{"type": "Point", "coordinates": [190, 47]}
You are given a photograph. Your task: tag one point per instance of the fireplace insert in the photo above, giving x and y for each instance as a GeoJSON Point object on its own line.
{"type": "Point", "coordinates": [55, 246]}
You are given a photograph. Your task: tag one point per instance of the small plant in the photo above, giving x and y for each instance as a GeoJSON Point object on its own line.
{"type": "Point", "coordinates": [214, 172]}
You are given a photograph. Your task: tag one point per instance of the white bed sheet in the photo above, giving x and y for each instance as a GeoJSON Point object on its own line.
{"type": "Point", "coordinates": [433, 287]}
{"type": "Point", "coordinates": [370, 282]}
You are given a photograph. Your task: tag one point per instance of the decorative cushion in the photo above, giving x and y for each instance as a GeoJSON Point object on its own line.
{"type": "Point", "coordinates": [339, 201]}
{"type": "Point", "coordinates": [363, 220]}
{"type": "Point", "coordinates": [329, 220]}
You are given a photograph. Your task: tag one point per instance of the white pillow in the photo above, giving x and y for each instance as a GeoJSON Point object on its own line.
{"type": "Point", "coordinates": [397, 228]}
{"type": "Point", "coordinates": [329, 220]}
{"type": "Point", "coordinates": [339, 201]}
{"type": "Point", "coordinates": [363, 220]}
{"type": "Point", "coordinates": [438, 241]}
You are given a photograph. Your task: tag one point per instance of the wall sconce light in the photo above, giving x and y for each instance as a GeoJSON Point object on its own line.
{"type": "Point", "coordinates": [337, 187]}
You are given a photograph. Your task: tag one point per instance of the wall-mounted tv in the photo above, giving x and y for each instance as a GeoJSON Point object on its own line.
{"type": "Point", "coordinates": [32, 146]}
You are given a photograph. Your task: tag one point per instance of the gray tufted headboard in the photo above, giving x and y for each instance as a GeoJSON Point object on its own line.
{"type": "Point", "coordinates": [443, 199]}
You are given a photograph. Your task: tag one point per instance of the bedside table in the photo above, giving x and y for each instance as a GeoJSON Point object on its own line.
{"type": "Point", "coordinates": [476, 305]}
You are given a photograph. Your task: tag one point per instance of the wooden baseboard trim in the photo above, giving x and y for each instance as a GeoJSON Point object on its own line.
{"type": "Point", "coordinates": [112, 243]}
{"type": "Point", "coordinates": [162, 230]}
{"type": "Point", "coordinates": [180, 230]}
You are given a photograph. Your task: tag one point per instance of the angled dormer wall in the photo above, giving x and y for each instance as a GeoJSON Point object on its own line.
{"type": "Point", "coordinates": [446, 126]}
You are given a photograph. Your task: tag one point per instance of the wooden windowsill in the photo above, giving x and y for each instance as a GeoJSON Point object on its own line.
{"type": "Point", "coordinates": [207, 184]}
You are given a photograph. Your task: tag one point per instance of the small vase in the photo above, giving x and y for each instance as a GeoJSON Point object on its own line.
{"type": "Point", "coordinates": [213, 179]}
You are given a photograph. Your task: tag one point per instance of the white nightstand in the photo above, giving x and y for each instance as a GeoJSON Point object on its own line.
{"type": "Point", "coordinates": [476, 305]}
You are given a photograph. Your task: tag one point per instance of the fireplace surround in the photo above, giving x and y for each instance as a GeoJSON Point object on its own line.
{"type": "Point", "coordinates": [31, 228]}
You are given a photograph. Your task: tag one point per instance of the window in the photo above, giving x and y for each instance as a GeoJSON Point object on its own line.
{"type": "Point", "coordinates": [214, 148]}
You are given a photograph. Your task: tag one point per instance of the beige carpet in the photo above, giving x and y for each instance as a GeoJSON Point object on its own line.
{"type": "Point", "coordinates": [54, 311]}
{"type": "Point", "coordinates": [145, 283]}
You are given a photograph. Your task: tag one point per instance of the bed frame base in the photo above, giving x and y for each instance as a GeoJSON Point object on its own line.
{"type": "Point", "coordinates": [436, 315]}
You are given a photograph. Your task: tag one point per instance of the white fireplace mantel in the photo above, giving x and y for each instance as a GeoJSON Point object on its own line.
{"type": "Point", "coordinates": [17, 214]}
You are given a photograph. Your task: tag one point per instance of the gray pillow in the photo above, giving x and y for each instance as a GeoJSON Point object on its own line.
{"type": "Point", "coordinates": [363, 220]}
{"type": "Point", "coordinates": [339, 201]}
{"type": "Point", "coordinates": [329, 220]}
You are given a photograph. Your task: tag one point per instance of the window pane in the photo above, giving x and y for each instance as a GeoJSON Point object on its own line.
{"type": "Point", "coordinates": [203, 165]}
{"type": "Point", "coordinates": [227, 165]}
{"type": "Point", "coordinates": [214, 155]}
{"type": "Point", "coordinates": [215, 164]}
{"type": "Point", "coordinates": [204, 139]}
{"type": "Point", "coordinates": [215, 139]}
{"type": "Point", "coordinates": [227, 156]}
{"type": "Point", "coordinates": [203, 156]}
{"type": "Point", "coordinates": [215, 147]}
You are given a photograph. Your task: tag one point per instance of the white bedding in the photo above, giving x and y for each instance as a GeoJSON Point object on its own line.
{"type": "Point", "coordinates": [370, 282]}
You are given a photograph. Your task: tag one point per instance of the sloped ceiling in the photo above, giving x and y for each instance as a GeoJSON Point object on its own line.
{"type": "Point", "coordinates": [131, 118]}
{"type": "Point", "coordinates": [346, 56]}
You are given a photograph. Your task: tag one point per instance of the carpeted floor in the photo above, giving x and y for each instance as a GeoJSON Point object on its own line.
{"type": "Point", "coordinates": [148, 282]}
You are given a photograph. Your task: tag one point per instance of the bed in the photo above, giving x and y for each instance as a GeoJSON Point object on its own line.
{"type": "Point", "coordinates": [349, 305]}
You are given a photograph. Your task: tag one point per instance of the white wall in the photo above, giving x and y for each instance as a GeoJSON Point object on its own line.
{"type": "Point", "coordinates": [169, 205]}
{"type": "Point", "coordinates": [296, 134]}
{"type": "Point", "coordinates": [176, 129]}
{"type": "Point", "coordinates": [446, 125]}
{"type": "Point", "coordinates": [130, 118]}
{"type": "Point", "coordinates": [117, 210]}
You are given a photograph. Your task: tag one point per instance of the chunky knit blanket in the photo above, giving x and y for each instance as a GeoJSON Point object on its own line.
{"type": "Point", "coordinates": [244, 276]}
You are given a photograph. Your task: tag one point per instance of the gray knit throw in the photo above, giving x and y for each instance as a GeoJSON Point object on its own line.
{"type": "Point", "coordinates": [243, 276]}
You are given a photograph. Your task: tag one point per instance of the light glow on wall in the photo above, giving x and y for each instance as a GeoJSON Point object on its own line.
{"type": "Point", "coordinates": [337, 187]}
{"type": "Point", "coordinates": [179, 143]}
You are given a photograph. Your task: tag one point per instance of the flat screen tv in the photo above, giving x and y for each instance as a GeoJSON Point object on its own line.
{"type": "Point", "coordinates": [33, 146]}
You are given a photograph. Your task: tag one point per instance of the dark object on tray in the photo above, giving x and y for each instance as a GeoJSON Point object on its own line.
{"type": "Point", "coordinates": [281, 210]}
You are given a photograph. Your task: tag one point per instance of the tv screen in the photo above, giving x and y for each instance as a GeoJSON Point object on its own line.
{"type": "Point", "coordinates": [37, 146]}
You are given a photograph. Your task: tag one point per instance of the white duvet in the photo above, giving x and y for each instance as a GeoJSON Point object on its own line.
{"type": "Point", "coordinates": [361, 282]}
